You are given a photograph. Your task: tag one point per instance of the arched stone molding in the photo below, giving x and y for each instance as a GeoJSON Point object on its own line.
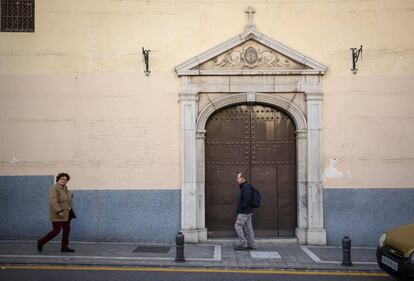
{"type": "Point", "coordinates": [276, 101]}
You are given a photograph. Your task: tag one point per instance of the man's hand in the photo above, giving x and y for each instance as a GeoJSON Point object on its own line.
{"type": "Point", "coordinates": [61, 214]}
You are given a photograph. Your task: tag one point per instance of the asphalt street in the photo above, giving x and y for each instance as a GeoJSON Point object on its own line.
{"type": "Point", "coordinates": [77, 273]}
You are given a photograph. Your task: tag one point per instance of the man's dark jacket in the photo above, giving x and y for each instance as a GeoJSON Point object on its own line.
{"type": "Point", "coordinates": [246, 193]}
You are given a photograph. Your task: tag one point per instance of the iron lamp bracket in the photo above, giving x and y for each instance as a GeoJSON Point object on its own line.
{"type": "Point", "coordinates": [356, 53]}
{"type": "Point", "coordinates": [146, 61]}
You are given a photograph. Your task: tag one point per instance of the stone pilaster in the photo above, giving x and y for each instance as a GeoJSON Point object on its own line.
{"type": "Point", "coordinates": [316, 233]}
{"type": "Point", "coordinates": [188, 101]}
{"type": "Point", "coordinates": [201, 210]}
{"type": "Point", "coordinates": [302, 200]}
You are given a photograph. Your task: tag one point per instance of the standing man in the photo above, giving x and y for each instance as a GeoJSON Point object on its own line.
{"type": "Point", "coordinates": [243, 225]}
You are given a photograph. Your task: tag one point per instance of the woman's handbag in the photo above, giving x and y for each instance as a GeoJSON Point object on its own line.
{"type": "Point", "coordinates": [72, 214]}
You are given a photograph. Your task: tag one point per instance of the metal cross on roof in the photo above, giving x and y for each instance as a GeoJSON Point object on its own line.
{"type": "Point", "coordinates": [250, 10]}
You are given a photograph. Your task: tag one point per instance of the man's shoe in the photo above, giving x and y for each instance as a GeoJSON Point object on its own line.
{"type": "Point", "coordinates": [39, 246]}
{"type": "Point", "coordinates": [240, 248]}
{"type": "Point", "coordinates": [67, 250]}
{"type": "Point", "coordinates": [251, 247]}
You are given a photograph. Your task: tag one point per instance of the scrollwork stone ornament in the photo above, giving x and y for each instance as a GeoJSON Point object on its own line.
{"type": "Point", "coordinates": [251, 55]}
{"type": "Point", "coordinates": [231, 58]}
{"type": "Point", "coordinates": [272, 59]}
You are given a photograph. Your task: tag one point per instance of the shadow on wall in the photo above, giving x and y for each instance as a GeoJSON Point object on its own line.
{"type": "Point", "coordinates": [103, 215]}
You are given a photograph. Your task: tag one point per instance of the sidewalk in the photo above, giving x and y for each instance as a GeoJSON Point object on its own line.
{"type": "Point", "coordinates": [268, 255]}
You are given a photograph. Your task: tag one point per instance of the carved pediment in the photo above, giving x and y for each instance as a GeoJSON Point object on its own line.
{"type": "Point", "coordinates": [251, 53]}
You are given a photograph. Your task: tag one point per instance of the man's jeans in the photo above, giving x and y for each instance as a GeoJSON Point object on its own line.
{"type": "Point", "coordinates": [244, 229]}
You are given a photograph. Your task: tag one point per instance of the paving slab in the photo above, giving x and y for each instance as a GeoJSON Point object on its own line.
{"type": "Point", "coordinates": [335, 254]}
{"type": "Point", "coordinates": [264, 255]}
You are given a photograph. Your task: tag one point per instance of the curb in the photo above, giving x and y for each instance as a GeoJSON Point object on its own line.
{"type": "Point", "coordinates": [193, 266]}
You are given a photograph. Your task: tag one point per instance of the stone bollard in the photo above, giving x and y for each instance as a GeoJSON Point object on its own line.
{"type": "Point", "coordinates": [346, 251]}
{"type": "Point", "coordinates": [179, 241]}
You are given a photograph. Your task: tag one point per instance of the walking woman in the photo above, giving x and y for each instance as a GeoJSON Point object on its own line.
{"type": "Point", "coordinates": [60, 213]}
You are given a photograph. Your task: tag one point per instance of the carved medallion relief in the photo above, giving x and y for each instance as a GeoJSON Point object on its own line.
{"type": "Point", "coordinates": [251, 55]}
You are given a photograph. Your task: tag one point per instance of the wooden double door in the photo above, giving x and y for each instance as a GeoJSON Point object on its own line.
{"type": "Point", "coordinates": [260, 141]}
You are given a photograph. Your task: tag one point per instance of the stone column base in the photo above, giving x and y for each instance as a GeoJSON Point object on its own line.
{"type": "Point", "coordinates": [301, 235]}
{"type": "Point", "coordinates": [195, 235]}
{"type": "Point", "coordinates": [316, 236]}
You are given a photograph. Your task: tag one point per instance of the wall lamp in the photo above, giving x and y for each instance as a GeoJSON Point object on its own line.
{"type": "Point", "coordinates": [355, 56]}
{"type": "Point", "coordinates": [146, 61]}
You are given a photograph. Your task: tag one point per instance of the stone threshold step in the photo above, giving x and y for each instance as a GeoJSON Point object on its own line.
{"type": "Point", "coordinates": [289, 240]}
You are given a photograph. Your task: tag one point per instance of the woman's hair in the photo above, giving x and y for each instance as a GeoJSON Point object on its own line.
{"type": "Point", "coordinates": [61, 175]}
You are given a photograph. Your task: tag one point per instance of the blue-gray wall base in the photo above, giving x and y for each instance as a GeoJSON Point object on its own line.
{"type": "Point", "coordinates": [364, 214]}
{"type": "Point", "coordinates": [154, 215]}
{"type": "Point", "coordinates": [103, 215]}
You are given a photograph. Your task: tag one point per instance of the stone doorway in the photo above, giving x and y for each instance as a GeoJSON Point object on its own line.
{"type": "Point", "coordinates": [260, 141]}
{"type": "Point", "coordinates": [275, 75]}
